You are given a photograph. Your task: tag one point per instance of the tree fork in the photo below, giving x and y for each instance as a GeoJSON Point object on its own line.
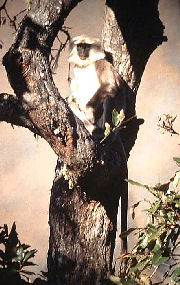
{"type": "Point", "coordinates": [89, 177]}
{"type": "Point", "coordinates": [84, 173]}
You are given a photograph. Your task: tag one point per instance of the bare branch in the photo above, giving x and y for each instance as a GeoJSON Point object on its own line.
{"type": "Point", "coordinates": [55, 58]}
{"type": "Point", "coordinates": [3, 5]}
{"type": "Point", "coordinates": [1, 44]}
{"type": "Point", "coordinates": [12, 20]}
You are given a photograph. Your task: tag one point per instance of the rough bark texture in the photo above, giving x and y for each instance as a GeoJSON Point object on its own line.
{"type": "Point", "coordinates": [132, 30]}
{"type": "Point", "coordinates": [83, 221]}
{"type": "Point", "coordinates": [89, 176]}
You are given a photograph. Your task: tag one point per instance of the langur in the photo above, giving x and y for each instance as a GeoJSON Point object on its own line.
{"type": "Point", "coordinates": [96, 87]}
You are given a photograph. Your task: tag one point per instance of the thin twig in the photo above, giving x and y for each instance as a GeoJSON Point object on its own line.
{"type": "Point", "coordinates": [54, 59]}
{"type": "Point", "coordinates": [3, 5]}
{"type": "Point", "coordinates": [11, 20]}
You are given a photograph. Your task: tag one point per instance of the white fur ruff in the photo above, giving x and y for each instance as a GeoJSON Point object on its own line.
{"type": "Point", "coordinates": [84, 84]}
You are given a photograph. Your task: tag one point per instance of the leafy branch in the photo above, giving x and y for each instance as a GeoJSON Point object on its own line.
{"type": "Point", "coordinates": [165, 124]}
{"type": "Point", "coordinates": [158, 241]}
{"type": "Point", "coordinates": [14, 257]}
{"type": "Point", "coordinates": [118, 124]}
{"type": "Point", "coordinates": [54, 58]}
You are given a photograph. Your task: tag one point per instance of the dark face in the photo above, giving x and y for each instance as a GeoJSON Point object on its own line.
{"type": "Point", "coordinates": [83, 50]}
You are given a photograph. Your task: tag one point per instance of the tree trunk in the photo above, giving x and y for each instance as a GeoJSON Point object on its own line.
{"type": "Point", "coordinates": [89, 176]}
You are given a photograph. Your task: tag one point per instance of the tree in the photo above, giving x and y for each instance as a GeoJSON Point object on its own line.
{"type": "Point", "coordinates": [89, 176]}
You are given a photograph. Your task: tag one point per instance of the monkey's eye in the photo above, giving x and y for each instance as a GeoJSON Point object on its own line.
{"type": "Point", "coordinates": [83, 46]}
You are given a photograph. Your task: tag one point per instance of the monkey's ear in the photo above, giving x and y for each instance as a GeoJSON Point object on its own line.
{"type": "Point", "coordinates": [71, 44]}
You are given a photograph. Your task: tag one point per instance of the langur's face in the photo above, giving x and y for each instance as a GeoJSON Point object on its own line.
{"type": "Point", "coordinates": [83, 50]}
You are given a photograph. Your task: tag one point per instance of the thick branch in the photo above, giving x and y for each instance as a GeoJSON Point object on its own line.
{"type": "Point", "coordinates": [42, 23]}
{"type": "Point", "coordinates": [27, 65]}
{"type": "Point", "coordinates": [132, 31]}
{"type": "Point", "coordinates": [85, 193]}
{"type": "Point", "coordinates": [12, 112]}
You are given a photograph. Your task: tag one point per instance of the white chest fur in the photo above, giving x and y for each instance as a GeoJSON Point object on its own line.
{"type": "Point", "coordinates": [84, 84]}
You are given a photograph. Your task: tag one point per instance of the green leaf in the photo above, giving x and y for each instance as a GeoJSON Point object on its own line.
{"type": "Point", "coordinates": [176, 236]}
{"type": "Point", "coordinates": [156, 247]}
{"type": "Point", "coordinates": [12, 242]}
{"type": "Point", "coordinates": [27, 272]}
{"type": "Point", "coordinates": [152, 229]}
{"type": "Point", "coordinates": [126, 233]}
{"type": "Point", "coordinates": [144, 241]}
{"type": "Point", "coordinates": [150, 189]}
{"type": "Point", "coordinates": [163, 236]}
{"type": "Point", "coordinates": [16, 259]}
{"type": "Point", "coordinates": [162, 187]}
{"type": "Point", "coordinates": [157, 203]}
{"type": "Point", "coordinates": [177, 160]}
{"type": "Point", "coordinates": [115, 118]}
{"type": "Point", "coordinates": [170, 216]}
{"type": "Point", "coordinates": [176, 180]}
{"type": "Point", "coordinates": [20, 254]}
{"type": "Point", "coordinates": [25, 246]}
{"type": "Point", "coordinates": [156, 232]}
{"type": "Point", "coordinates": [163, 259]}
{"type": "Point", "coordinates": [140, 265]}
{"type": "Point", "coordinates": [175, 277]}
{"type": "Point", "coordinates": [107, 129]}
{"type": "Point", "coordinates": [158, 259]}
{"type": "Point", "coordinates": [29, 254]}
{"type": "Point", "coordinates": [135, 183]}
{"type": "Point", "coordinates": [132, 209]}
{"type": "Point", "coordinates": [6, 229]}
{"type": "Point", "coordinates": [28, 263]}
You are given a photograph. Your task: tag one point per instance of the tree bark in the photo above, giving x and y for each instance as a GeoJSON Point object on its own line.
{"type": "Point", "coordinates": [89, 176]}
{"type": "Point", "coordinates": [132, 31]}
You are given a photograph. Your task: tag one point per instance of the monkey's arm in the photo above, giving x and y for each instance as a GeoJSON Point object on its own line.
{"type": "Point", "coordinates": [112, 85]}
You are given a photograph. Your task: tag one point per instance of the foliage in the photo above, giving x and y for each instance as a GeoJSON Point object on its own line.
{"type": "Point", "coordinates": [118, 123]}
{"type": "Point", "coordinates": [117, 119]}
{"type": "Point", "coordinates": [14, 257]}
{"type": "Point", "coordinates": [165, 123]}
{"type": "Point", "coordinates": [158, 242]}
